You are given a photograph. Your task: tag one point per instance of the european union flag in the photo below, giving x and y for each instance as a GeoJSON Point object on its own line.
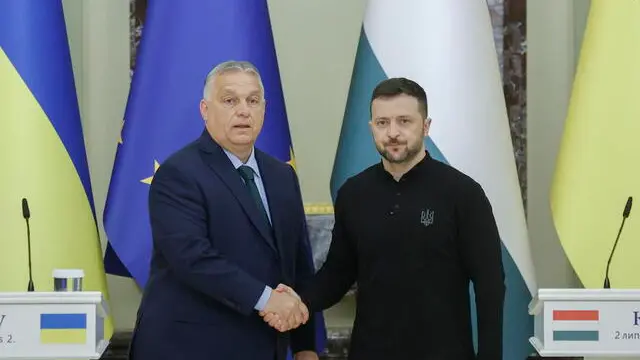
{"type": "Point", "coordinates": [181, 42]}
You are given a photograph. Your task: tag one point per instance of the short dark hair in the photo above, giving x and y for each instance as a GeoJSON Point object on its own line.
{"type": "Point", "coordinates": [398, 86]}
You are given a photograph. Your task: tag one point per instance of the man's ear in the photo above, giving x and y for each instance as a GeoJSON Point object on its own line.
{"type": "Point", "coordinates": [426, 126]}
{"type": "Point", "coordinates": [203, 109]}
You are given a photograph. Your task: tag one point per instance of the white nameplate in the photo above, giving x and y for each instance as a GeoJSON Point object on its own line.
{"type": "Point", "coordinates": [34, 326]}
{"type": "Point", "coordinates": [587, 322]}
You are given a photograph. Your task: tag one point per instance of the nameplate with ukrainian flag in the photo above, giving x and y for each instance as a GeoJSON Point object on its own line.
{"type": "Point", "coordinates": [586, 322]}
{"type": "Point", "coordinates": [63, 328]}
{"type": "Point", "coordinates": [52, 325]}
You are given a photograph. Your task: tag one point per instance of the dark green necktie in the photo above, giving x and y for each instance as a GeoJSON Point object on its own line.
{"type": "Point", "coordinates": [247, 174]}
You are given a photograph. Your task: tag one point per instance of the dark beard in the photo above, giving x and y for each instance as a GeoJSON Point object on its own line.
{"type": "Point", "coordinates": [409, 155]}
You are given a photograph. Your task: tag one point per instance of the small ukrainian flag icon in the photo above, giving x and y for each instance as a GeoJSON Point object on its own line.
{"type": "Point", "coordinates": [63, 328]}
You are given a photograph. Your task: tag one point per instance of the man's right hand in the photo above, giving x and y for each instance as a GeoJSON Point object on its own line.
{"type": "Point", "coordinates": [284, 310]}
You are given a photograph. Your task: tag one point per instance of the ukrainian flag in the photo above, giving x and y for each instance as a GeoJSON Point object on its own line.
{"type": "Point", "coordinates": [63, 328]}
{"type": "Point", "coordinates": [597, 166]}
{"type": "Point", "coordinates": [42, 154]}
{"type": "Point", "coordinates": [162, 113]}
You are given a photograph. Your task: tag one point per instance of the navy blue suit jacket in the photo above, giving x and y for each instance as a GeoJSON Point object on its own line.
{"type": "Point", "coordinates": [213, 254]}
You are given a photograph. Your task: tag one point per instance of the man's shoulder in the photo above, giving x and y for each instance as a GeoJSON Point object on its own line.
{"type": "Point", "coordinates": [450, 172]}
{"type": "Point", "coordinates": [459, 180]}
{"type": "Point", "coordinates": [360, 181]}
{"type": "Point", "coordinates": [444, 172]}
{"type": "Point", "coordinates": [366, 175]}
{"type": "Point", "coordinates": [180, 160]}
{"type": "Point", "coordinates": [271, 161]}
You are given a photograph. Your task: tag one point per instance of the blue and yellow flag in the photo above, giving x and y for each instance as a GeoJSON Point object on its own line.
{"type": "Point", "coordinates": [181, 42]}
{"type": "Point", "coordinates": [42, 155]}
{"type": "Point", "coordinates": [597, 166]}
{"type": "Point", "coordinates": [63, 328]}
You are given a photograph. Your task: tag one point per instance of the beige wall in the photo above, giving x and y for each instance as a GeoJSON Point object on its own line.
{"type": "Point", "coordinates": [316, 42]}
{"type": "Point", "coordinates": [552, 39]}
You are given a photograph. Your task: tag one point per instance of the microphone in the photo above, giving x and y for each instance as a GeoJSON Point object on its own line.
{"type": "Point", "coordinates": [26, 214]}
{"type": "Point", "coordinates": [625, 215]}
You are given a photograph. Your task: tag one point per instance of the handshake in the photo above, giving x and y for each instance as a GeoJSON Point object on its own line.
{"type": "Point", "coordinates": [285, 310]}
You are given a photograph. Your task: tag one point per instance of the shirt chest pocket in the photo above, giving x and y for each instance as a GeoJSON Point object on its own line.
{"type": "Point", "coordinates": [433, 233]}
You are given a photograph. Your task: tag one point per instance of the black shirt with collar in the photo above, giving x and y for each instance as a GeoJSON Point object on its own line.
{"type": "Point", "coordinates": [413, 246]}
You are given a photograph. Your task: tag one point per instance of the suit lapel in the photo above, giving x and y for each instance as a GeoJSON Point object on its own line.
{"type": "Point", "coordinates": [219, 162]}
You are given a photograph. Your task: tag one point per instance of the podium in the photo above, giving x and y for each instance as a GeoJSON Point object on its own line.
{"type": "Point", "coordinates": [586, 322]}
{"type": "Point", "coordinates": [52, 325]}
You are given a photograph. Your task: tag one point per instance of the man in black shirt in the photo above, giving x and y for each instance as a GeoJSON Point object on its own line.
{"type": "Point", "coordinates": [412, 232]}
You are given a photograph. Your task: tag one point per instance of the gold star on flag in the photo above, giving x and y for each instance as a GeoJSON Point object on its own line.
{"type": "Point", "coordinates": [148, 180]}
{"type": "Point", "coordinates": [292, 159]}
{"type": "Point", "coordinates": [120, 136]}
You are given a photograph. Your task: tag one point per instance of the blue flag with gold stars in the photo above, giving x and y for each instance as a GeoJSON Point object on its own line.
{"type": "Point", "coordinates": [181, 42]}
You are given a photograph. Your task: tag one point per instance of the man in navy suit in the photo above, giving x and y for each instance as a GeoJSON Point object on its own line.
{"type": "Point", "coordinates": [228, 226]}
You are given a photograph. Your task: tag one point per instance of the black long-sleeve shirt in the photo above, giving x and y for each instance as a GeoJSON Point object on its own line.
{"type": "Point", "coordinates": [413, 246]}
